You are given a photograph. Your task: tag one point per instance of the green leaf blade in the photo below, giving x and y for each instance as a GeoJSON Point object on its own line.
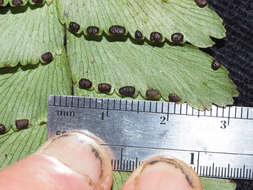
{"type": "Point", "coordinates": [183, 70]}
{"type": "Point", "coordinates": [196, 24]}
{"type": "Point", "coordinates": [217, 184]}
{"type": "Point", "coordinates": [18, 144]}
{"type": "Point", "coordinates": [207, 183]}
{"type": "Point", "coordinates": [27, 33]}
{"type": "Point", "coordinates": [24, 91]}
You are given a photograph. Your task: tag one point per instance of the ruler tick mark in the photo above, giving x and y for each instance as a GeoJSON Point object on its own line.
{"type": "Point", "coordinates": [228, 170]}
{"type": "Point", "coordinates": [96, 102]}
{"type": "Point", "coordinates": [103, 115]}
{"type": "Point", "coordinates": [121, 158]}
{"type": "Point", "coordinates": [228, 115]}
{"type": "Point", "coordinates": [78, 99]}
{"type": "Point", "coordinates": [213, 170]}
{"type": "Point", "coordinates": [107, 108]}
{"type": "Point", "coordinates": [71, 102]}
{"type": "Point", "coordinates": [198, 162]}
{"type": "Point", "coordinates": [89, 102]}
{"type": "Point", "coordinates": [120, 104]}
{"type": "Point", "coordinates": [114, 102]}
{"type": "Point", "coordinates": [66, 101]}
{"type": "Point", "coordinates": [84, 102]}
{"type": "Point", "coordinates": [192, 158]}
{"type": "Point", "coordinates": [60, 101]}
{"type": "Point", "coordinates": [54, 101]}
{"type": "Point", "coordinates": [243, 170]}
{"type": "Point", "coordinates": [102, 103]}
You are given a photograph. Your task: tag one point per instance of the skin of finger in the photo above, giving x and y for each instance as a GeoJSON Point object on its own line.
{"type": "Point", "coordinates": [159, 180]}
{"type": "Point", "coordinates": [162, 176]}
{"type": "Point", "coordinates": [38, 172]}
{"type": "Point", "coordinates": [133, 182]}
{"type": "Point", "coordinates": [75, 151]}
{"type": "Point", "coordinates": [98, 140]}
{"type": "Point", "coordinates": [74, 147]}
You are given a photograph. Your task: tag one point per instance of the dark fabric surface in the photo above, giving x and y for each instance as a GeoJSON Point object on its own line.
{"type": "Point", "coordinates": [235, 52]}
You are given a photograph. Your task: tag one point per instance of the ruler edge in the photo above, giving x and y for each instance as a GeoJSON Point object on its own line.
{"type": "Point", "coordinates": [250, 175]}
{"type": "Point", "coordinates": [237, 172]}
{"type": "Point", "coordinates": [51, 98]}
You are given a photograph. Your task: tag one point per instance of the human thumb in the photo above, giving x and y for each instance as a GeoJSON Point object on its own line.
{"type": "Point", "coordinates": [71, 161]}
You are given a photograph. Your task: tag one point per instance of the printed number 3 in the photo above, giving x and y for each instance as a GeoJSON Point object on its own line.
{"type": "Point", "coordinates": [224, 124]}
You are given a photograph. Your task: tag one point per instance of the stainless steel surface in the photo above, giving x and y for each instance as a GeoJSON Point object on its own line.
{"type": "Point", "coordinates": [216, 143]}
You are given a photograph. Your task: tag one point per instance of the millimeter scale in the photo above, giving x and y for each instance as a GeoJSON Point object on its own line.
{"type": "Point", "coordinates": [216, 143]}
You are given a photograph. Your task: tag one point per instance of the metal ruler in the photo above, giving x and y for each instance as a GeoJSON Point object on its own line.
{"type": "Point", "coordinates": [216, 143]}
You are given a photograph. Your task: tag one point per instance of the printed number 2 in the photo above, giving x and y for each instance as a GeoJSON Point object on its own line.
{"type": "Point", "coordinates": [163, 119]}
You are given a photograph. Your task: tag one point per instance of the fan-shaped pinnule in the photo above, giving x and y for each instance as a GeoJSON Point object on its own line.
{"type": "Point", "coordinates": [156, 20]}
{"type": "Point", "coordinates": [178, 73]}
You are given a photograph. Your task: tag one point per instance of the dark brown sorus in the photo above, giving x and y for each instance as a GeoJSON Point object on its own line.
{"type": "Point", "coordinates": [127, 91]}
{"type": "Point", "coordinates": [215, 65]}
{"type": "Point", "coordinates": [22, 124]}
{"type": "Point", "coordinates": [174, 97]}
{"type": "Point", "coordinates": [104, 88]}
{"type": "Point", "coordinates": [17, 2]}
{"type": "Point", "coordinates": [201, 3]}
{"type": "Point", "coordinates": [74, 27]}
{"type": "Point", "coordinates": [177, 38]}
{"type": "Point", "coordinates": [138, 35]}
{"type": "Point", "coordinates": [1, 2]}
{"type": "Point", "coordinates": [156, 37]}
{"type": "Point", "coordinates": [85, 83]}
{"type": "Point", "coordinates": [153, 94]}
{"type": "Point", "coordinates": [2, 129]}
{"type": "Point", "coordinates": [117, 30]}
{"type": "Point", "coordinates": [47, 57]}
{"type": "Point", "coordinates": [37, 1]}
{"type": "Point", "coordinates": [92, 30]}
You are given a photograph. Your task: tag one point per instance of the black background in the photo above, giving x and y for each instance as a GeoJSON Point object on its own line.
{"type": "Point", "coordinates": [235, 52]}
